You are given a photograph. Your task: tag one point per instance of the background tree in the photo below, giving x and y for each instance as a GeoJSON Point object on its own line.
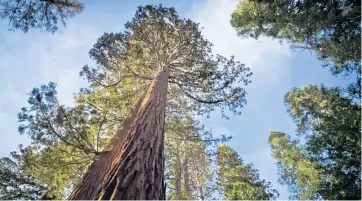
{"type": "Point", "coordinates": [240, 181]}
{"type": "Point", "coordinates": [330, 123]}
{"type": "Point", "coordinates": [64, 139]}
{"type": "Point", "coordinates": [189, 153]}
{"type": "Point", "coordinates": [331, 28]}
{"type": "Point", "coordinates": [328, 119]}
{"type": "Point", "coordinates": [296, 170]}
{"type": "Point", "coordinates": [16, 183]}
{"type": "Point", "coordinates": [28, 14]}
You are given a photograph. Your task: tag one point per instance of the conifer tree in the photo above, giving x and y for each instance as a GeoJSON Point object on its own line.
{"type": "Point", "coordinates": [325, 160]}
{"type": "Point", "coordinates": [331, 28]}
{"type": "Point", "coordinates": [240, 181]}
{"type": "Point", "coordinates": [158, 46]}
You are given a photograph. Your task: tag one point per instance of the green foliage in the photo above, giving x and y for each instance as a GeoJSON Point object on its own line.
{"type": "Point", "coordinates": [330, 123]}
{"type": "Point", "coordinates": [295, 169]}
{"type": "Point", "coordinates": [28, 14]}
{"type": "Point", "coordinates": [47, 122]}
{"type": "Point", "coordinates": [16, 183]}
{"type": "Point", "coordinates": [240, 181]}
{"type": "Point", "coordinates": [331, 28]}
{"type": "Point", "coordinates": [156, 38]}
{"type": "Point", "coordinates": [63, 139]}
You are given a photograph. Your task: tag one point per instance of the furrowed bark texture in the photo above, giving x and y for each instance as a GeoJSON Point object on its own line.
{"type": "Point", "coordinates": [102, 164]}
{"type": "Point", "coordinates": [134, 166]}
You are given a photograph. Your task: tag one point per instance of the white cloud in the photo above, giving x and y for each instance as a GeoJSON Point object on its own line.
{"type": "Point", "coordinates": [214, 16]}
{"type": "Point", "coordinates": [60, 57]}
{"type": "Point", "coordinates": [267, 59]}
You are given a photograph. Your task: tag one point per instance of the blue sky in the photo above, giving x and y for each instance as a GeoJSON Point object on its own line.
{"type": "Point", "coordinates": [29, 60]}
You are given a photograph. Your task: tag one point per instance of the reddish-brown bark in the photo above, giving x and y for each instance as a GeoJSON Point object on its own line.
{"type": "Point", "coordinates": [133, 165]}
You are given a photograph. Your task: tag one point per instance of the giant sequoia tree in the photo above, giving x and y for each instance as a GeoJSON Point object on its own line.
{"type": "Point", "coordinates": [331, 28]}
{"type": "Point", "coordinates": [169, 52]}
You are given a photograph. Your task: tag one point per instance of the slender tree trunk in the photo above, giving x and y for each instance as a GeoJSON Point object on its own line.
{"type": "Point", "coordinates": [186, 174]}
{"type": "Point", "coordinates": [133, 168]}
{"type": "Point", "coordinates": [178, 177]}
{"type": "Point", "coordinates": [187, 188]}
{"type": "Point", "coordinates": [201, 193]}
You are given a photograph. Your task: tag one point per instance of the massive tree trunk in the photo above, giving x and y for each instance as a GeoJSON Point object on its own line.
{"type": "Point", "coordinates": [132, 166]}
{"type": "Point", "coordinates": [102, 164]}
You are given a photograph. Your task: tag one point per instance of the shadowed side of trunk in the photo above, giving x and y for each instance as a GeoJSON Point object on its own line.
{"type": "Point", "coordinates": [102, 164]}
{"type": "Point", "coordinates": [133, 166]}
{"type": "Point", "coordinates": [139, 169]}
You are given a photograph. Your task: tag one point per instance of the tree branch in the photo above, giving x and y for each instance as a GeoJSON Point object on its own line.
{"type": "Point", "coordinates": [204, 101]}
